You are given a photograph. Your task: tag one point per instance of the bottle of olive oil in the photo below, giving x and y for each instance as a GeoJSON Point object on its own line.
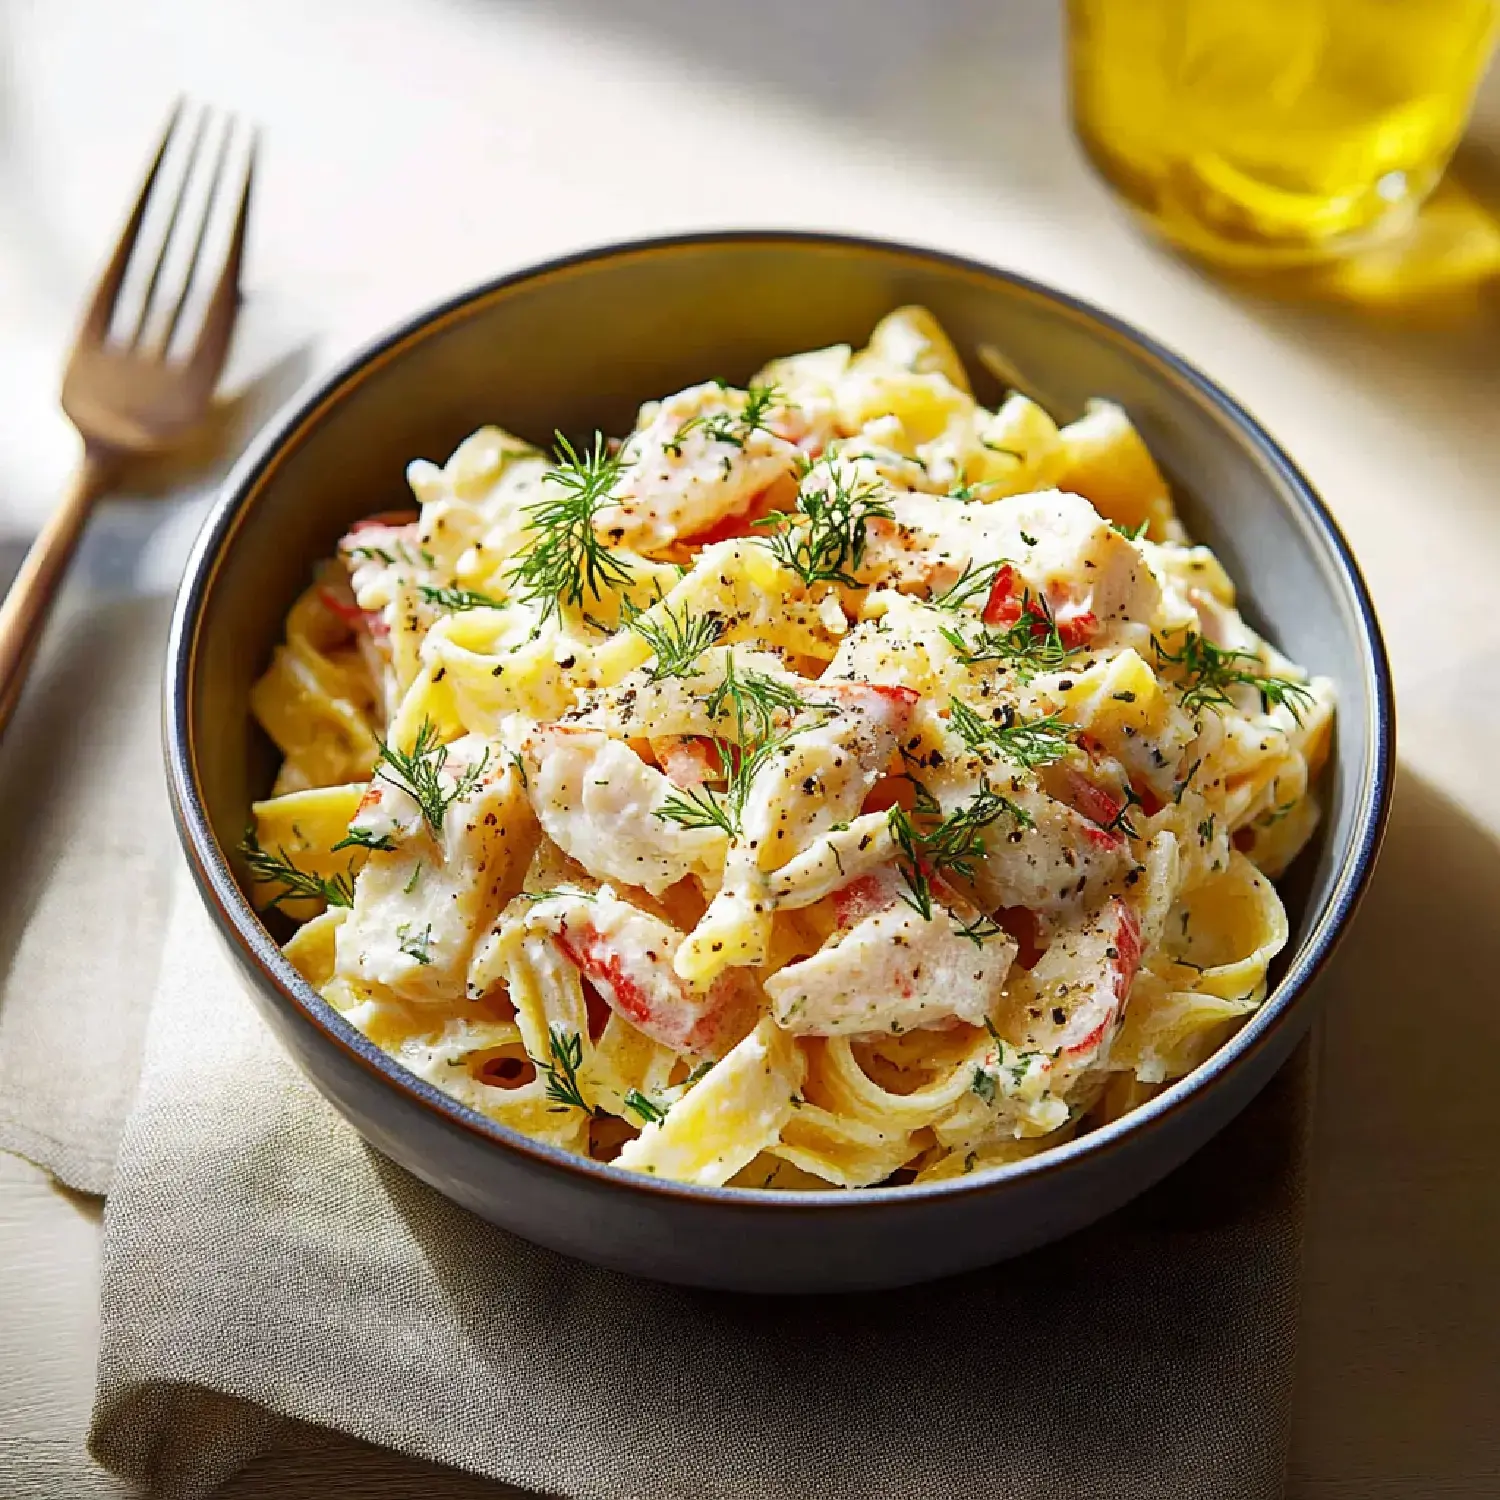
{"type": "Point", "coordinates": [1275, 132]}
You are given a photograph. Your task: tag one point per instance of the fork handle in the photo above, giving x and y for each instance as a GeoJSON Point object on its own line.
{"type": "Point", "coordinates": [24, 613]}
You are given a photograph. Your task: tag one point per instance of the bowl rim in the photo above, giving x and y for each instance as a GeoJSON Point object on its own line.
{"type": "Point", "coordinates": [241, 927]}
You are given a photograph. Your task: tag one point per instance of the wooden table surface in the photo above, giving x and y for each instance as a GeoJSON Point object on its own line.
{"type": "Point", "coordinates": [413, 146]}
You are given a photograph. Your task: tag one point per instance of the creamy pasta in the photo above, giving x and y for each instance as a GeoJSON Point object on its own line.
{"type": "Point", "coordinates": [836, 782]}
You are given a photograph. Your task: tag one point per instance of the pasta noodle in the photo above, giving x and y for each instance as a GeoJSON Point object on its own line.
{"type": "Point", "coordinates": [835, 783]}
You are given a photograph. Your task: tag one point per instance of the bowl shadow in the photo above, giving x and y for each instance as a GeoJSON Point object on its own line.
{"type": "Point", "coordinates": [1399, 1367]}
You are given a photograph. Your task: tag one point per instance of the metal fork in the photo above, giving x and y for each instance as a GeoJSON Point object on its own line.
{"type": "Point", "coordinates": [129, 394]}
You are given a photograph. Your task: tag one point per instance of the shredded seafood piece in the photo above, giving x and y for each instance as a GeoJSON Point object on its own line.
{"type": "Point", "coordinates": [889, 969]}
{"type": "Point", "coordinates": [602, 804]}
{"type": "Point", "coordinates": [812, 781]}
{"type": "Point", "coordinates": [705, 454]}
{"type": "Point", "coordinates": [832, 782]}
{"type": "Point", "coordinates": [626, 955]}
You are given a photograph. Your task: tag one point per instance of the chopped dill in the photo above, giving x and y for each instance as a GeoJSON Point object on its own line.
{"type": "Point", "coordinates": [1209, 671]}
{"type": "Point", "coordinates": [567, 559]}
{"type": "Point", "coordinates": [296, 884]}
{"type": "Point", "coordinates": [457, 599]}
{"type": "Point", "coordinates": [975, 582]}
{"type": "Point", "coordinates": [417, 773]}
{"type": "Point", "coordinates": [417, 945]}
{"type": "Point", "coordinates": [362, 838]}
{"type": "Point", "coordinates": [648, 1109]}
{"type": "Point", "coordinates": [1121, 822]}
{"type": "Point", "coordinates": [676, 640]}
{"type": "Point", "coordinates": [985, 1084]}
{"type": "Point", "coordinates": [1029, 743]}
{"type": "Point", "coordinates": [828, 535]}
{"type": "Point", "coordinates": [733, 427]}
{"type": "Point", "coordinates": [373, 554]}
{"type": "Point", "coordinates": [1033, 644]}
{"type": "Point", "coordinates": [1180, 787]}
{"type": "Point", "coordinates": [566, 1048]}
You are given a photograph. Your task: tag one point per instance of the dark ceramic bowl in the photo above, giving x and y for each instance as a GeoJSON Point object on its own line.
{"type": "Point", "coordinates": [580, 343]}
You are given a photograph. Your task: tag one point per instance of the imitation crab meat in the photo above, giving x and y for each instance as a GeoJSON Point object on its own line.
{"type": "Point", "coordinates": [1079, 988]}
{"type": "Point", "coordinates": [889, 968]}
{"type": "Point", "coordinates": [626, 955]}
{"type": "Point", "coordinates": [705, 455]}
{"type": "Point", "coordinates": [601, 803]}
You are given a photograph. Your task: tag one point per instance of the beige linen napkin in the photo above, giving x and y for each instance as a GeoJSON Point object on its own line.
{"type": "Point", "coordinates": [85, 885]}
{"type": "Point", "coordinates": [264, 1268]}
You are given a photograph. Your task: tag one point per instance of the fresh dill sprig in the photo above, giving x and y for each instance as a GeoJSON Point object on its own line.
{"type": "Point", "coordinates": [974, 582]}
{"type": "Point", "coordinates": [986, 1081]}
{"type": "Point", "coordinates": [362, 838]}
{"type": "Point", "coordinates": [910, 861]}
{"type": "Point", "coordinates": [827, 537]}
{"type": "Point", "coordinates": [700, 807]}
{"type": "Point", "coordinates": [1209, 671]}
{"type": "Point", "coordinates": [676, 640]}
{"type": "Point", "coordinates": [980, 930]}
{"type": "Point", "coordinates": [1029, 743]}
{"type": "Point", "coordinates": [923, 801]}
{"type": "Point", "coordinates": [416, 772]}
{"type": "Point", "coordinates": [567, 559]}
{"type": "Point", "coordinates": [566, 1049]}
{"type": "Point", "coordinates": [760, 401]}
{"type": "Point", "coordinates": [457, 599]}
{"type": "Point", "coordinates": [955, 843]}
{"type": "Point", "coordinates": [372, 554]}
{"type": "Point", "coordinates": [1121, 822]}
{"type": "Point", "coordinates": [985, 1084]}
{"type": "Point", "coordinates": [1131, 533]}
{"type": "Point", "coordinates": [964, 491]}
{"type": "Point", "coordinates": [751, 702]}
{"type": "Point", "coordinates": [1180, 787]}
{"type": "Point", "coordinates": [733, 427]}
{"type": "Point", "coordinates": [1033, 644]}
{"type": "Point", "coordinates": [296, 884]}
{"type": "Point", "coordinates": [951, 845]}
{"type": "Point", "coordinates": [648, 1109]}
{"type": "Point", "coordinates": [417, 945]}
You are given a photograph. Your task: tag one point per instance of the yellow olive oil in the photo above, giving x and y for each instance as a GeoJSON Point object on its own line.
{"type": "Point", "coordinates": [1272, 132]}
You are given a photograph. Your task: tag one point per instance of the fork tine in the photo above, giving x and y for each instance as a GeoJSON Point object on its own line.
{"type": "Point", "coordinates": [95, 325]}
{"type": "Point", "coordinates": [147, 296]}
{"type": "Point", "coordinates": [220, 161]}
{"type": "Point", "coordinates": [207, 357]}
